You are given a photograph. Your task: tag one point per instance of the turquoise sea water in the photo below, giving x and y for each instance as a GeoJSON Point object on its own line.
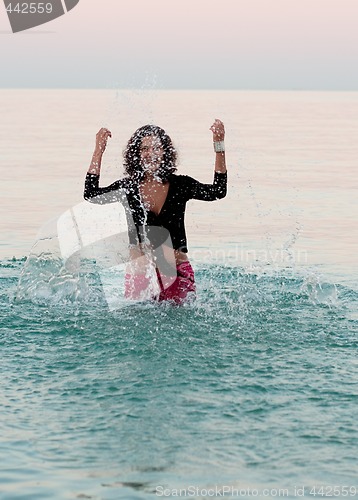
{"type": "Point", "coordinates": [254, 386]}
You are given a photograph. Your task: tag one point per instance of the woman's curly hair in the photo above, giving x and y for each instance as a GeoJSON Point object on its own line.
{"type": "Point", "coordinates": [132, 161]}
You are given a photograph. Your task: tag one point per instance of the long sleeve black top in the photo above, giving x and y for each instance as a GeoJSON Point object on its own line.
{"type": "Point", "coordinates": [181, 189]}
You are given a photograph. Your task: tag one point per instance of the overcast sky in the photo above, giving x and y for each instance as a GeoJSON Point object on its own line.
{"type": "Point", "coordinates": [224, 44]}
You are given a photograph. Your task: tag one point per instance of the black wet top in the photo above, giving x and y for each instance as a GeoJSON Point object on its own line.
{"type": "Point", "coordinates": [171, 217]}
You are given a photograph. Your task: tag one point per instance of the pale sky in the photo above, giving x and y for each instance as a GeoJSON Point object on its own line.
{"type": "Point", "coordinates": [226, 44]}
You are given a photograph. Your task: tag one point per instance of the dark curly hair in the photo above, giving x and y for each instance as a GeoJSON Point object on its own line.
{"type": "Point", "coordinates": [132, 162]}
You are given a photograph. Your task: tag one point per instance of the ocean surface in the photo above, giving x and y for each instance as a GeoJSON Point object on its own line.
{"type": "Point", "coordinates": [249, 391]}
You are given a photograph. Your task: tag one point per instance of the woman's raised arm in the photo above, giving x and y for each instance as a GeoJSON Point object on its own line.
{"type": "Point", "coordinates": [101, 144]}
{"type": "Point", "coordinates": [218, 131]}
{"type": "Point", "coordinates": [92, 191]}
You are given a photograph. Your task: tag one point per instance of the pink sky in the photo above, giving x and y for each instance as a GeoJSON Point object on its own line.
{"type": "Point", "coordinates": [191, 43]}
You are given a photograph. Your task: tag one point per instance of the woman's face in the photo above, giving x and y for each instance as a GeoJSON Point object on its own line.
{"type": "Point", "coordinates": [151, 153]}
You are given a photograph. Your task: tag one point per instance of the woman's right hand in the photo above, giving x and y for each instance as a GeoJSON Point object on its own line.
{"type": "Point", "coordinates": [101, 140]}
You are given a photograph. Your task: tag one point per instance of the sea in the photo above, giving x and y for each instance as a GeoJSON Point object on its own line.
{"type": "Point", "coordinates": [251, 390]}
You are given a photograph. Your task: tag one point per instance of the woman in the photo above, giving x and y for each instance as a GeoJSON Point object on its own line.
{"type": "Point", "coordinates": [156, 197]}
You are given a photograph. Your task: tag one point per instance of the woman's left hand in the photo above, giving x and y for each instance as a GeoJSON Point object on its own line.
{"type": "Point", "coordinates": [218, 130]}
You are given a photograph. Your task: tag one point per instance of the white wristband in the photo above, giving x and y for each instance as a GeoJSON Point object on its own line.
{"type": "Point", "coordinates": [219, 146]}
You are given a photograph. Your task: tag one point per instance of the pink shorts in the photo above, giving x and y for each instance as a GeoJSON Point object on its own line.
{"type": "Point", "coordinates": [177, 291]}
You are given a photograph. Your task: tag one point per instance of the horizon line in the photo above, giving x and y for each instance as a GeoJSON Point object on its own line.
{"type": "Point", "coordinates": [192, 89]}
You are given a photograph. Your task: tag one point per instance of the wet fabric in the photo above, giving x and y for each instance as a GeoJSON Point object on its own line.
{"type": "Point", "coordinates": [137, 285]}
